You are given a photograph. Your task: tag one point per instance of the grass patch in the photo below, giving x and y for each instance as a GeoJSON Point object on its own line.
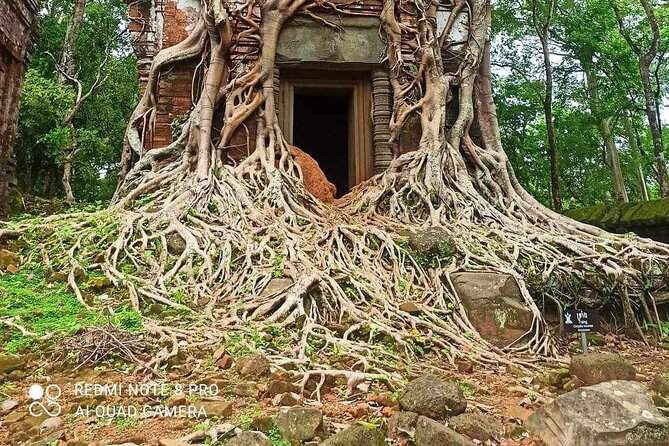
{"type": "Point", "coordinates": [43, 307]}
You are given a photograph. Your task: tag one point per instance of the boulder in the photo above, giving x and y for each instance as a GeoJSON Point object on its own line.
{"type": "Point", "coordinates": [250, 439]}
{"type": "Point", "coordinates": [612, 413]}
{"type": "Point", "coordinates": [7, 406]}
{"type": "Point", "coordinates": [402, 424]}
{"type": "Point", "coordinates": [176, 245]}
{"type": "Point", "coordinates": [434, 242]}
{"type": "Point", "coordinates": [433, 398]}
{"type": "Point", "coordinates": [246, 389]}
{"type": "Point", "coordinates": [51, 424]}
{"type": "Point", "coordinates": [494, 305]}
{"type": "Point", "coordinates": [356, 435]}
{"type": "Point", "coordinates": [9, 363]}
{"type": "Point", "coordinates": [432, 433]}
{"type": "Point", "coordinates": [255, 365]}
{"type": "Point", "coordinates": [8, 258]}
{"type": "Point", "coordinates": [276, 286]}
{"type": "Point", "coordinates": [278, 387]}
{"type": "Point", "coordinates": [299, 424]}
{"type": "Point", "coordinates": [477, 426]}
{"type": "Point", "coordinates": [660, 384]}
{"type": "Point", "coordinates": [217, 408]}
{"type": "Point", "coordinates": [595, 368]}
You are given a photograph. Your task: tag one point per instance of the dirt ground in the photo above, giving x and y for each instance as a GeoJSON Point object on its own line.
{"type": "Point", "coordinates": [509, 393]}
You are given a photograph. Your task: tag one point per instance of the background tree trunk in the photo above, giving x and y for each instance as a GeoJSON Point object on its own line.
{"type": "Point", "coordinates": [542, 31]}
{"type": "Point", "coordinates": [68, 62]}
{"type": "Point", "coordinates": [604, 126]}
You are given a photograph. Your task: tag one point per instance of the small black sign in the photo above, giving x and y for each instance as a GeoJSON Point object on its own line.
{"type": "Point", "coordinates": [581, 321]}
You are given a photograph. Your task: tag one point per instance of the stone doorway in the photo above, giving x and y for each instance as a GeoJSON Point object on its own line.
{"type": "Point", "coordinates": [328, 116]}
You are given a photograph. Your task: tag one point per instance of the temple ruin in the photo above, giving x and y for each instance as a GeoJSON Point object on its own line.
{"type": "Point", "coordinates": [332, 90]}
{"type": "Point", "coordinates": [17, 33]}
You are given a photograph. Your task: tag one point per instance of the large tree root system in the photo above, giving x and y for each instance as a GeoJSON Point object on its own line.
{"type": "Point", "coordinates": [240, 225]}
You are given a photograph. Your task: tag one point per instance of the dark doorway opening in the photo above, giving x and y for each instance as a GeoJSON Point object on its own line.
{"type": "Point", "coordinates": [321, 129]}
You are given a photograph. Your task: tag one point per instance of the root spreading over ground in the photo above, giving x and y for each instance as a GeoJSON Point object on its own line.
{"type": "Point", "coordinates": [240, 224]}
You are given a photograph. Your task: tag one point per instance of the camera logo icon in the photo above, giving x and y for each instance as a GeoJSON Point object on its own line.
{"type": "Point", "coordinates": [45, 400]}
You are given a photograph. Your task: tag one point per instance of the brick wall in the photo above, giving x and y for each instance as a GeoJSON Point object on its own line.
{"type": "Point", "coordinates": [17, 34]}
{"type": "Point", "coordinates": [158, 24]}
{"type": "Point", "coordinates": [155, 25]}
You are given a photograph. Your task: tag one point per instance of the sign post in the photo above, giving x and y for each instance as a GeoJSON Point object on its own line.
{"type": "Point", "coordinates": [583, 322]}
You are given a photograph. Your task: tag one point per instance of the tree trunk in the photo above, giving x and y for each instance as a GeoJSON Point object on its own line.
{"type": "Point", "coordinates": [645, 59]}
{"type": "Point", "coordinates": [655, 128]}
{"type": "Point", "coordinates": [556, 197]}
{"type": "Point", "coordinates": [68, 61]}
{"type": "Point", "coordinates": [542, 31]}
{"type": "Point", "coordinates": [635, 148]}
{"type": "Point", "coordinates": [604, 126]}
{"type": "Point", "coordinates": [613, 159]}
{"type": "Point", "coordinates": [67, 76]}
{"type": "Point", "coordinates": [67, 178]}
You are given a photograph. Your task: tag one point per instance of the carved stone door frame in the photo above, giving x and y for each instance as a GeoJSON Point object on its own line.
{"type": "Point", "coordinates": [355, 85]}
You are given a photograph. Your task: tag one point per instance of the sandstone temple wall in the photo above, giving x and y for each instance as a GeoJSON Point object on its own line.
{"type": "Point", "coordinates": [17, 34]}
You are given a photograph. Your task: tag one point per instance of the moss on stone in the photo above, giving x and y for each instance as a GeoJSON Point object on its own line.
{"type": "Point", "coordinates": [621, 217]}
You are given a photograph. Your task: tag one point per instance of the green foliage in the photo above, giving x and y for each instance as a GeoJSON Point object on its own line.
{"type": "Point", "coordinates": [276, 438]}
{"type": "Point", "coordinates": [44, 307]}
{"type": "Point", "coordinates": [584, 37]}
{"type": "Point", "coordinates": [99, 125]}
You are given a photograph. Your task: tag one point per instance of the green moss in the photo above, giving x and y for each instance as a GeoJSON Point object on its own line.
{"type": "Point", "coordinates": [42, 307]}
{"type": "Point", "coordinates": [621, 217]}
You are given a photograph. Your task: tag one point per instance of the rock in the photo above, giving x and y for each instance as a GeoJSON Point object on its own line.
{"type": "Point", "coordinates": [356, 435]}
{"type": "Point", "coordinates": [176, 245]}
{"type": "Point", "coordinates": [434, 242]}
{"type": "Point", "coordinates": [596, 339]}
{"type": "Point", "coordinates": [169, 442]}
{"type": "Point", "coordinates": [612, 413]}
{"type": "Point", "coordinates": [224, 362]}
{"type": "Point", "coordinates": [659, 400]}
{"type": "Point", "coordinates": [262, 424]}
{"type": "Point", "coordinates": [8, 258]}
{"type": "Point", "coordinates": [464, 365]}
{"type": "Point", "coordinates": [250, 439]}
{"type": "Point", "coordinates": [595, 368]}
{"type": "Point", "coordinates": [573, 384]}
{"type": "Point", "coordinates": [51, 424]}
{"type": "Point", "coordinates": [432, 433]}
{"type": "Point", "coordinates": [286, 399]}
{"type": "Point", "coordinates": [494, 305]}
{"type": "Point", "coordinates": [255, 365]}
{"type": "Point", "coordinates": [7, 406]}
{"type": "Point", "coordinates": [552, 378]}
{"type": "Point", "coordinates": [410, 307]}
{"type": "Point", "coordinates": [432, 397]}
{"type": "Point", "coordinates": [276, 387]}
{"type": "Point", "coordinates": [660, 384]}
{"type": "Point", "coordinates": [299, 424]}
{"type": "Point", "coordinates": [217, 408]}
{"type": "Point", "coordinates": [402, 423]}
{"type": "Point", "coordinates": [9, 363]}
{"type": "Point", "coordinates": [50, 439]}
{"type": "Point", "coordinates": [359, 410]}
{"type": "Point", "coordinates": [315, 180]}
{"type": "Point", "coordinates": [276, 286]}
{"type": "Point", "coordinates": [11, 269]}
{"type": "Point", "coordinates": [477, 426]}
{"type": "Point", "coordinates": [246, 389]}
